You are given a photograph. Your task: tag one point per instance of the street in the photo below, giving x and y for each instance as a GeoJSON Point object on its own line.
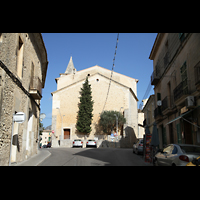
{"type": "Point", "coordinates": [93, 157]}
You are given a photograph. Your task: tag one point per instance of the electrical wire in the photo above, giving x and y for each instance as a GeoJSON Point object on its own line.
{"type": "Point", "coordinates": [113, 65]}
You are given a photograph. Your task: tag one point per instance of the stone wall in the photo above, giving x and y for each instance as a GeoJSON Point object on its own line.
{"type": "Point", "coordinates": [14, 96]}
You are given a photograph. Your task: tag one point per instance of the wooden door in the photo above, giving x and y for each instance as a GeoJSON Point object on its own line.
{"type": "Point", "coordinates": [66, 133]}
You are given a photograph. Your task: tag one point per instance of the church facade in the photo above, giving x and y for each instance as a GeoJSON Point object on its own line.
{"type": "Point", "coordinates": [122, 97]}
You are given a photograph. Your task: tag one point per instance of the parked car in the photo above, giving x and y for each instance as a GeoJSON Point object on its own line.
{"type": "Point", "coordinates": [194, 162]}
{"type": "Point", "coordinates": [138, 147]}
{"type": "Point", "coordinates": [91, 143]}
{"type": "Point", "coordinates": [78, 143]}
{"type": "Point", "coordinates": [177, 155]}
{"type": "Point", "coordinates": [49, 145]}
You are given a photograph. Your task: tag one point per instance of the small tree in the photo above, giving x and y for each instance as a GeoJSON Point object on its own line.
{"type": "Point", "coordinates": [108, 120]}
{"type": "Point", "coordinates": [85, 109]}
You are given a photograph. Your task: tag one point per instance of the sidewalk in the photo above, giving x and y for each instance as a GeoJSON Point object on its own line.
{"type": "Point", "coordinates": [34, 160]}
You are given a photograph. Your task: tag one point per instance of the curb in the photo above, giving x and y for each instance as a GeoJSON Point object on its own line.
{"type": "Point", "coordinates": [36, 159]}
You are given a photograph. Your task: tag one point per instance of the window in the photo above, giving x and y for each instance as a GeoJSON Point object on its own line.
{"type": "Point", "coordinates": [32, 75]}
{"type": "Point", "coordinates": [20, 57]}
{"type": "Point", "coordinates": [168, 149]}
{"type": "Point", "coordinates": [175, 150]}
{"type": "Point", "coordinates": [97, 80]}
{"type": "Point", "coordinates": [184, 78]}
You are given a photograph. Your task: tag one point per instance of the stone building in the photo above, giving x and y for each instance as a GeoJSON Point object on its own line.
{"type": "Point", "coordinates": [176, 77]}
{"type": "Point", "coordinates": [148, 110]}
{"type": "Point", "coordinates": [23, 67]}
{"type": "Point", "coordinates": [122, 97]}
{"type": "Point", "coordinates": [45, 138]}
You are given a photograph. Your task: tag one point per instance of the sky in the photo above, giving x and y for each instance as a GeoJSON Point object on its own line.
{"type": "Point", "coordinates": [90, 49]}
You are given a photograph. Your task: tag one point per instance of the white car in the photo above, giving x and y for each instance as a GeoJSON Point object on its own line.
{"type": "Point", "coordinates": [91, 143]}
{"type": "Point", "coordinates": [77, 143]}
{"type": "Point", "coordinates": [138, 147]}
{"type": "Point", "coordinates": [177, 155]}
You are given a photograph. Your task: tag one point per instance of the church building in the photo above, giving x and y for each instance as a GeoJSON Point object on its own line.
{"type": "Point", "coordinates": [122, 97]}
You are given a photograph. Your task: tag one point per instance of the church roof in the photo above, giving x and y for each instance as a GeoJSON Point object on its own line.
{"type": "Point", "coordinates": [70, 67]}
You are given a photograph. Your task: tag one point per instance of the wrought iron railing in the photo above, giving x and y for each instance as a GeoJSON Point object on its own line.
{"type": "Point", "coordinates": [179, 91]}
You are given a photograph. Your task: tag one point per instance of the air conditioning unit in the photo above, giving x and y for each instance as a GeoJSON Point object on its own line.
{"type": "Point", "coordinates": [189, 102]}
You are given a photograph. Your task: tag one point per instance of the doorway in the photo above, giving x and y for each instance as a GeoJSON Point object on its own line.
{"type": "Point", "coordinates": [188, 132]}
{"type": "Point", "coordinates": [67, 133]}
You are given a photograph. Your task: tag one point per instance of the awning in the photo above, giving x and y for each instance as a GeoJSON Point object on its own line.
{"type": "Point", "coordinates": [182, 115]}
{"type": "Point", "coordinates": [179, 117]}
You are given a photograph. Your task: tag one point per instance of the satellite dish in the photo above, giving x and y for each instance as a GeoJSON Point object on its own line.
{"type": "Point", "coordinates": [42, 116]}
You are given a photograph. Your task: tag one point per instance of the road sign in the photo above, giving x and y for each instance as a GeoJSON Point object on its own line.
{"type": "Point", "coordinates": [53, 131]}
{"type": "Point", "coordinates": [19, 117]}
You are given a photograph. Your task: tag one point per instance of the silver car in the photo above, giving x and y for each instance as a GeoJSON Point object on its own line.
{"type": "Point", "coordinates": [138, 147]}
{"type": "Point", "coordinates": [78, 143]}
{"type": "Point", "coordinates": [91, 143]}
{"type": "Point", "coordinates": [177, 155]}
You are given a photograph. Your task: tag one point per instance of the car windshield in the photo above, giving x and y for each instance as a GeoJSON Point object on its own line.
{"type": "Point", "coordinates": [190, 149]}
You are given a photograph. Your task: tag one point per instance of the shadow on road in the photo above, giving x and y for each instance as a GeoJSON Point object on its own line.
{"type": "Point", "coordinates": [112, 157]}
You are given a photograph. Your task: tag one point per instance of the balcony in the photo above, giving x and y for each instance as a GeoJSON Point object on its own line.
{"type": "Point", "coordinates": [168, 105]}
{"type": "Point", "coordinates": [36, 88]}
{"type": "Point", "coordinates": [155, 77]}
{"type": "Point", "coordinates": [180, 92]}
{"type": "Point", "coordinates": [158, 113]}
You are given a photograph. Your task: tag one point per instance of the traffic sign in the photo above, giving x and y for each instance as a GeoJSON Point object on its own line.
{"type": "Point", "coordinates": [19, 117]}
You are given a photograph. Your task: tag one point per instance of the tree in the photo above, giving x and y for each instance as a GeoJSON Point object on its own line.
{"type": "Point", "coordinates": [108, 120]}
{"type": "Point", "coordinates": [41, 128]}
{"type": "Point", "coordinates": [85, 109]}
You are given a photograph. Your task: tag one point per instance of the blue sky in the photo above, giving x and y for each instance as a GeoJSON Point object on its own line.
{"type": "Point", "coordinates": [89, 49]}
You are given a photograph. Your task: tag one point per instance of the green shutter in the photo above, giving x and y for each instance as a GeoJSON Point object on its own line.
{"type": "Point", "coordinates": [158, 96]}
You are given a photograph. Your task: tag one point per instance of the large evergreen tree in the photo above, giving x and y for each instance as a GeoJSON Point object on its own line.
{"type": "Point", "coordinates": [85, 109]}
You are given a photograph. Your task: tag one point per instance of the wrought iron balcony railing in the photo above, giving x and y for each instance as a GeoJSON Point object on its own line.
{"type": "Point", "coordinates": [180, 90]}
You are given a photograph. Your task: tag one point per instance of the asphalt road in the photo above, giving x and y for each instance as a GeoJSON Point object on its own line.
{"type": "Point", "coordinates": [93, 157]}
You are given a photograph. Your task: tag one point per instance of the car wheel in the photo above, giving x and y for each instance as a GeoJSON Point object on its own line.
{"type": "Point", "coordinates": [173, 164]}
{"type": "Point", "coordinates": [133, 151]}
